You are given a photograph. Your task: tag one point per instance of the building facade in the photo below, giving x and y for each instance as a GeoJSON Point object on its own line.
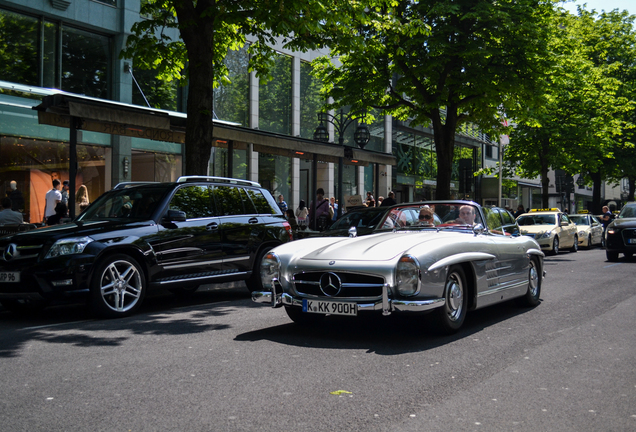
{"type": "Point", "coordinates": [55, 46]}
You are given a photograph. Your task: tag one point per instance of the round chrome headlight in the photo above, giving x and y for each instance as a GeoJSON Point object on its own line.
{"type": "Point", "coordinates": [407, 275]}
{"type": "Point", "coordinates": [270, 270]}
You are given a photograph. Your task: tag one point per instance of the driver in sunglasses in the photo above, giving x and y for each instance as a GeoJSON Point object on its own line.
{"type": "Point", "coordinates": [426, 216]}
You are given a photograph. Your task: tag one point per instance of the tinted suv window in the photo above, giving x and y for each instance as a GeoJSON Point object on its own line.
{"type": "Point", "coordinates": [259, 200]}
{"type": "Point", "coordinates": [228, 200]}
{"type": "Point", "coordinates": [195, 201]}
{"type": "Point", "coordinates": [247, 202]}
{"type": "Point", "coordinates": [137, 203]}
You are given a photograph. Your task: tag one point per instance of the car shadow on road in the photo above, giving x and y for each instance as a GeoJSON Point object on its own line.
{"type": "Point", "coordinates": [395, 334]}
{"type": "Point", "coordinates": [73, 324]}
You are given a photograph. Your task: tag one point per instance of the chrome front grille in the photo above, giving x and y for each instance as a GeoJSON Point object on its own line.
{"type": "Point", "coordinates": [20, 252]}
{"type": "Point", "coordinates": [351, 285]}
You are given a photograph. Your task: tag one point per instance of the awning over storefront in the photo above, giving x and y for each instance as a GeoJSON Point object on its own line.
{"type": "Point", "coordinates": [117, 118]}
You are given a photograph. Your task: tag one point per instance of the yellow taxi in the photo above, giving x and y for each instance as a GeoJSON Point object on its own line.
{"type": "Point", "coordinates": [590, 229]}
{"type": "Point", "coordinates": [551, 228]}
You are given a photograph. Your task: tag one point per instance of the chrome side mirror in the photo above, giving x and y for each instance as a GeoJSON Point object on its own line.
{"type": "Point", "coordinates": [479, 229]}
{"type": "Point", "coordinates": [353, 232]}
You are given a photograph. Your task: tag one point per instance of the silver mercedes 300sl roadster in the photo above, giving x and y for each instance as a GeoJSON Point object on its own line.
{"type": "Point", "coordinates": [451, 259]}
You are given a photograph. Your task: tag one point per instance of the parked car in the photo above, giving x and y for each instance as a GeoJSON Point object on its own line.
{"type": "Point", "coordinates": [369, 220]}
{"type": "Point", "coordinates": [590, 229]}
{"type": "Point", "coordinates": [447, 269]}
{"type": "Point", "coordinates": [551, 228]}
{"type": "Point", "coordinates": [620, 236]}
{"type": "Point", "coordinates": [135, 238]}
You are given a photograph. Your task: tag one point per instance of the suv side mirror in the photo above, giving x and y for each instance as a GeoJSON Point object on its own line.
{"type": "Point", "coordinates": [175, 216]}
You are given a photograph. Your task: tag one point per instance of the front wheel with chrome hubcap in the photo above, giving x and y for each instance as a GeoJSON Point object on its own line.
{"type": "Point", "coordinates": [118, 286]}
{"type": "Point", "coordinates": [531, 298]}
{"type": "Point", "coordinates": [451, 316]}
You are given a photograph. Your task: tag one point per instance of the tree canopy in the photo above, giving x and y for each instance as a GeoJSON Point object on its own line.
{"type": "Point", "coordinates": [207, 30]}
{"type": "Point", "coordinates": [439, 63]}
{"type": "Point", "coordinates": [578, 120]}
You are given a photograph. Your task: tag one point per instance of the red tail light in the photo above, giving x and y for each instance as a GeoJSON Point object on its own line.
{"type": "Point", "coordinates": [289, 230]}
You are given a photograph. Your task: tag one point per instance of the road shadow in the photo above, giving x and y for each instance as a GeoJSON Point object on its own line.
{"type": "Point", "coordinates": [395, 334]}
{"type": "Point", "coordinates": [74, 324]}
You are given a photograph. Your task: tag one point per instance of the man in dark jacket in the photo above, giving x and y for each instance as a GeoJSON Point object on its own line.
{"type": "Point", "coordinates": [389, 201]}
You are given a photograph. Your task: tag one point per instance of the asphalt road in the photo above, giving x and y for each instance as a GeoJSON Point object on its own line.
{"type": "Point", "coordinates": [218, 362]}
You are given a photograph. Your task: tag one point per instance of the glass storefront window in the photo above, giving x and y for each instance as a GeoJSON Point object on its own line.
{"type": "Point", "coordinates": [50, 78]}
{"type": "Point", "coordinates": [376, 143]}
{"type": "Point", "coordinates": [19, 48]}
{"type": "Point", "coordinates": [275, 98]}
{"type": "Point", "coordinates": [33, 164]}
{"type": "Point", "coordinates": [158, 167]}
{"type": "Point", "coordinates": [310, 101]}
{"type": "Point", "coordinates": [231, 99]}
{"type": "Point", "coordinates": [30, 55]}
{"type": "Point", "coordinates": [85, 63]}
{"type": "Point", "coordinates": [219, 163]}
{"type": "Point", "coordinates": [349, 184]}
{"type": "Point", "coordinates": [274, 174]}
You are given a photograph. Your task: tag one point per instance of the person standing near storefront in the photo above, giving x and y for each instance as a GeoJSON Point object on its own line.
{"type": "Point", "coordinates": [64, 192]}
{"type": "Point", "coordinates": [51, 200]}
{"type": "Point", "coordinates": [282, 204]}
{"type": "Point", "coordinates": [389, 201]}
{"type": "Point", "coordinates": [301, 214]}
{"type": "Point", "coordinates": [319, 218]}
{"type": "Point", "coordinates": [81, 199]}
{"type": "Point", "coordinates": [334, 209]}
{"type": "Point", "coordinates": [8, 216]}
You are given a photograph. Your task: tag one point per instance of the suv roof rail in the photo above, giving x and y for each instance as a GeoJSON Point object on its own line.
{"type": "Point", "coordinates": [185, 179]}
{"type": "Point", "coordinates": [126, 185]}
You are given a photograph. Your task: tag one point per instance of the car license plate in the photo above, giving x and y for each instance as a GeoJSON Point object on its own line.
{"type": "Point", "coordinates": [631, 241]}
{"type": "Point", "coordinates": [9, 276]}
{"type": "Point", "coordinates": [328, 307]}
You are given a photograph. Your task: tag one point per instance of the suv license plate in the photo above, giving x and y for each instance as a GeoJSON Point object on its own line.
{"type": "Point", "coordinates": [327, 307]}
{"type": "Point", "coordinates": [9, 276]}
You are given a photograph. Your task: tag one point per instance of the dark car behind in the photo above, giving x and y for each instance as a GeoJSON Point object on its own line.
{"type": "Point", "coordinates": [620, 235]}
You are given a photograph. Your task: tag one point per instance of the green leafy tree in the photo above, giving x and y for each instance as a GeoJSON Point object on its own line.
{"type": "Point", "coordinates": [439, 63]}
{"type": "Point", "coordinates": [578, 118]}
{"type": "Point", "coordinates": [207, 30]}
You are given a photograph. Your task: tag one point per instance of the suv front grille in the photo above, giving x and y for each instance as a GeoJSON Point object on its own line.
{"type": "Point", "coordinates": [629, 237]}
{"type": "Point", "coordinates": [26, 252]}
{"type": "Point", "coordinates": [353, 285]}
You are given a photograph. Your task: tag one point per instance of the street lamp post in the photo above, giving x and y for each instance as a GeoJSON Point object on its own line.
{"type": "Point", "coordinates": [341, 121]}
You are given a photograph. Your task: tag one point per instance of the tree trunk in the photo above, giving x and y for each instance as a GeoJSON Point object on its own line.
{"type": "Point", "coordinates": [444, 137]}
{"type": "Point", "coordinates": [596, 193]}
{"type": "Point", "coordinates": [632, 185]}
{"type": "Point", "coordinates": [545, 167]}
{"type": "Point", "coordinates": [198, 37]}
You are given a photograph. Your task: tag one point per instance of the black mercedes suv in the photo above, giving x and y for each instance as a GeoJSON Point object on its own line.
{"type": "Point", "coordinates": [138, 237]}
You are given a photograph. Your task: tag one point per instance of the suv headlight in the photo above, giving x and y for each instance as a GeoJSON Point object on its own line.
{"type": "Point", "coordinates": [407, 275]}
{"type": "Point", "coordinates": [68, 246]}
{"type": "Point", "coordinates": [270, 270]}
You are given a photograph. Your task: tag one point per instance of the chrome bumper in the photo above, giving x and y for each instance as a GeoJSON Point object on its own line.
{"type": "Point", "coordinates": [386, 305]}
